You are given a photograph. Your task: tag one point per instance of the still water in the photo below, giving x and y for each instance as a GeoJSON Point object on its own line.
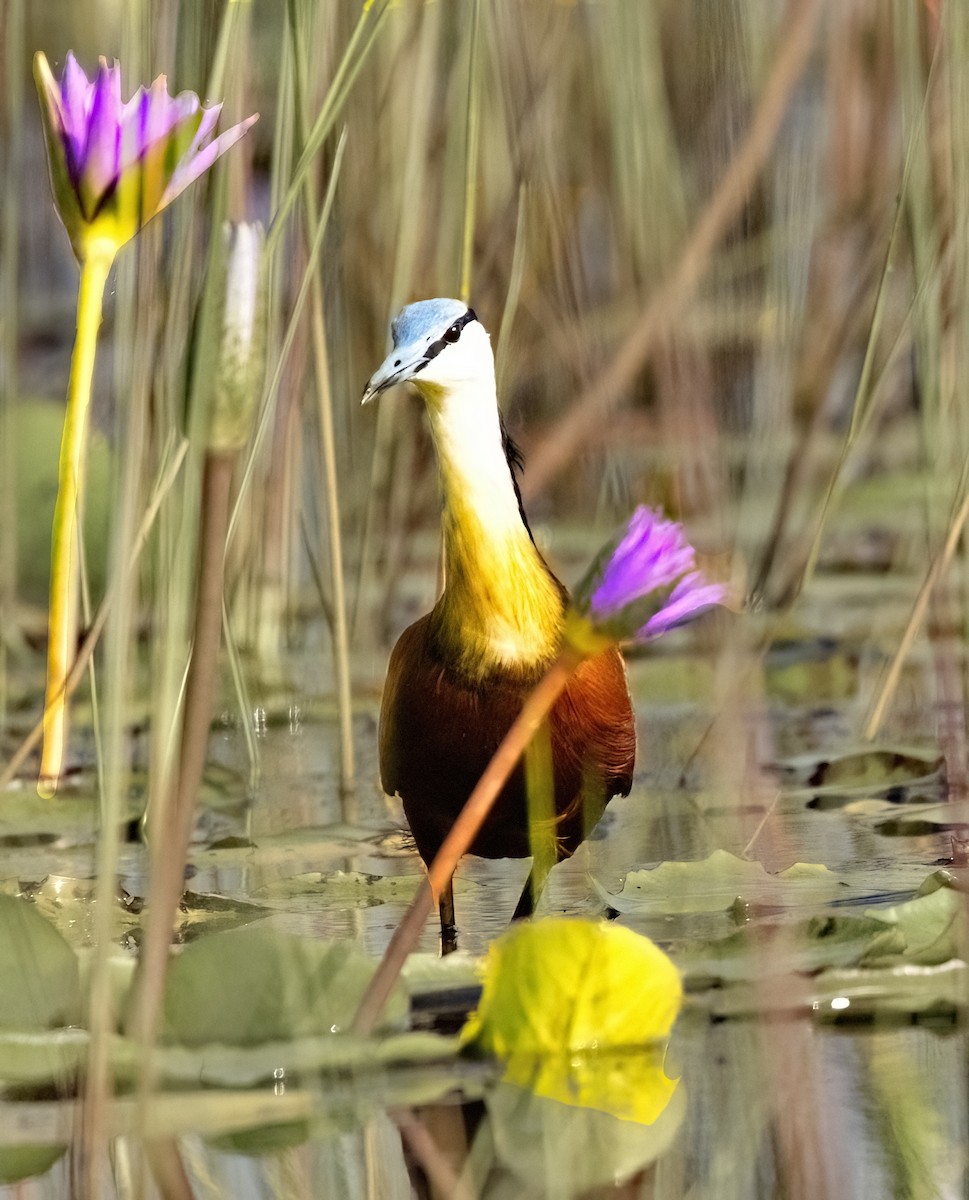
{"type": "Point", "coordinates": [811, 1063]}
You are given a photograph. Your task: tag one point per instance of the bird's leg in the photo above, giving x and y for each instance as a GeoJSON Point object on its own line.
{"type": "Point", "coordinates": [534, 885]}
{"type": "Point", "coordinates": [449, 933]}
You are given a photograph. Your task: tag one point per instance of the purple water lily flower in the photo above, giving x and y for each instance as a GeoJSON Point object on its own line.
{"type": "Point", "coordinates": [643, 585]}
{"type": "Point", "coordinates": [114, 165]}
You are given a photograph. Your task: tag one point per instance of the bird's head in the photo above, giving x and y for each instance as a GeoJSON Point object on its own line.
{"type": "Point", "coordinates": [439, 346]}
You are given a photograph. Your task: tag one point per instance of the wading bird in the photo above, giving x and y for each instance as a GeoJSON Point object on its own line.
{"type": "Point", "coordinates": [458, 676]}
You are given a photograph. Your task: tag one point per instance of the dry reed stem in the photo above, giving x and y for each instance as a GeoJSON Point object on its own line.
{"type": "Point", "coordinates": [339, 629]}
{"type": "Point", "coordinates": [587, 415]}
{"type": "Point", "coordinates": [441, 1175]}
{"type": "Point", "coordinates": [168, 1170]}
{"type": "Point", "coordinates": [917, 615]}
{"type": "Point", "coordinates": [12, 139]}
{"type": "Point", "coordinates": [463, 832]}
{"type": "Point", "coordinates": [168, 860]}
{"type": "Point", "coordinates": [471, 136]}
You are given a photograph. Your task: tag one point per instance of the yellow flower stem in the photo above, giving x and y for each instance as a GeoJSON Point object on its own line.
{"type": "Point", "coordinates": [62, 617]}
{"type": "Point", "coordinates": [463, 832]}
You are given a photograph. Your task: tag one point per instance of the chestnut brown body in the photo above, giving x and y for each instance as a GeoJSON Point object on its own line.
{"type": "Point", "coordinates": [438, 731]}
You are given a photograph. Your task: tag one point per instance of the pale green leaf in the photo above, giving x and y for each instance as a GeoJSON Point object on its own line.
{"type": "Point", "coordinates": [255, 985]}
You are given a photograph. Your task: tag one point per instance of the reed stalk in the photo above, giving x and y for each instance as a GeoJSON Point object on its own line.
{"type": "Point", "coordinates": [11, 160]}
{"type": "Point", "coordinates": [168, 879]}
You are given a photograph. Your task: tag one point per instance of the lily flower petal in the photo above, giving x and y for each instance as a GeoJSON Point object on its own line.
{"type": "Point", "coordinates": [74, 99]}
{"type": "Point", "coordinates": [640, 586]}
{"type": "Point", "coordinates": [691, 597]}
{"type": "Point", "coordinates": [102, 150]}
{"type": "Point", "coordinates": [190, 168]}
{"type": "Point", "coordinates": [114, 165]}
{"type": "Point", "coordinates": [60, 152]}
{"type": "Point", "coordinates": [651, 555]}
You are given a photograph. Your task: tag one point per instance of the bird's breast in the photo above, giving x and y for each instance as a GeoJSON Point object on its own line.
{"type": "Point", "coordinates": [439, 730]}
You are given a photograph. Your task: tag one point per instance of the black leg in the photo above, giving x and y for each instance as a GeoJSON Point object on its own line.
{"type": "Point", "coordinates": [449, 933]}
{"type": "Point", "coordinates": [530, 894]}
{"type": "Point", "coordinates": [526, 902]}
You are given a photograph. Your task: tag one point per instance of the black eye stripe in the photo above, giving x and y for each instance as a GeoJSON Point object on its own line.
{"type": "Point", "coordinates": [435, 348]}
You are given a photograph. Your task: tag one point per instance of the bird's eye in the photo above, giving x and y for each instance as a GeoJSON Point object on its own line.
{"type": "Point", "coordinates": [452, 334]}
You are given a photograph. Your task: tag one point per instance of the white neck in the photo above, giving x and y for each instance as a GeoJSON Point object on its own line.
{"type": "Point", "coordinates": [501, 607]}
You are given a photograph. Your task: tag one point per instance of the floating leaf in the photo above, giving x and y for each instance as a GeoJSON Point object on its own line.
{"type": "Point", "coordinates": [901, 988]}
{"type": "Point", "coordinates": [255, 985]}
{"type": "Point", "coordinates": [341, 889]}
{"type": "Point", "coordinates": [869, 769]}
{"type": "Point", "coordinates": [541, 1139]}
{"type": "Point", "coordinates": [27, 820]}
{"type": "Point", "coordinates": [235, 1066]}
{"type": "Point", "coordinates": [714, 883]}
{"type": "Point", "coordinates": [932, 926]}
{"type": "Point", "coordinates": [926, 930]}
{"type": "Point", "coordinates": [264, 1140]}
{"type": "Point", "coordinates": [579, 1012]}
{"type": "Point", "coordinates": [202, 913]}
{"type": "Point", "coordinates": [68, 902]}
{"type": "Point", "coordinates": [24, 1162]}
{"type": "Point", "coordinates": [819, 943]}
{"type": "Point", "coordinates": [39, 978]}
{"type": "Point", "coordinates": [48, 1057]}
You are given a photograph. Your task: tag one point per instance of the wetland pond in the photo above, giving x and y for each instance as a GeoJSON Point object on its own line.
{"type": "Point", "coordinates": [810, 888]}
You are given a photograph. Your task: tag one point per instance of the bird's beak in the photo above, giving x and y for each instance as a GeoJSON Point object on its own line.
{"type": "Point", "coordinates": [399, 365]}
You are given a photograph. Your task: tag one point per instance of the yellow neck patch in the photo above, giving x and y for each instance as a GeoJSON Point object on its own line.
{"type": "Point", "coordinates": [501, 608]}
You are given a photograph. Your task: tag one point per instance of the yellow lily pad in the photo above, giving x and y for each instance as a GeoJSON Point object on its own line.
{"type": "Point", "coordinates": [579, 1012]}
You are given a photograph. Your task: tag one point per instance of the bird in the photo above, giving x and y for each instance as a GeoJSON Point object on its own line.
{"type": "Point", "coordinates": [458, 676]}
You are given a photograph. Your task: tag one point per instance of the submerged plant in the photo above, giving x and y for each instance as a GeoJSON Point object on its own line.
{"type": "Point", "coordinates": [113, 166]}
{"type": "Point", "coordinates": [642, 584]}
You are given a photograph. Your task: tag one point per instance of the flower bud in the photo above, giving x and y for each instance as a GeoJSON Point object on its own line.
{"type": "Point", "coordinates": [641, 585]}
{"type": "Point", "coordinates": [241, 356]}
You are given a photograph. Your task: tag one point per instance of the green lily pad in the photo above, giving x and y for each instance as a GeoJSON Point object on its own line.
{"type": "Point", "coordinates": [541, 1139]}
{"type": "Point", "coordinates": [819, 943]}
{"type": "Point", "coordinates": [39, 977]}
{"type": "Point", "coordinates": [926, 930]}
{"type": "Point", "coordinates": [203, 913]}
{"type": "Point", "coordinates": [221, 1064]}
{"type": "Point", "coordinates": [24, 1162]}
{"type": "Point", "coordinates": [265, 1140]}
{"type": "Point", "coordinates": [27, 820]}
{"type": "Point", "coordinates": [45, 1057]}
{"type": "Point", "coordinates": [932, 926]}
{"type": "Point", "coordinates": [255, 985]}
{"type": "Point", "coordinates": [714, 883]}
{"type": "Point", "coordinates": [867, 768]}
{"type": "Point", "coordinates": [341, 889]}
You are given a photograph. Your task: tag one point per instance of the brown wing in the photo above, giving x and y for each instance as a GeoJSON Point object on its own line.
{"type": "Point", "coordinates": [438, 733]}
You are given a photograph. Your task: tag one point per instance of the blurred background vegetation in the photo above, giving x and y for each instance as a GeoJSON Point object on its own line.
{"type": "Point", "coordinates": [722, 252]}
{"type": "Point", "coordinates": [564, 161]}
{"type": "Point", "coordinates": [718, 248]}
